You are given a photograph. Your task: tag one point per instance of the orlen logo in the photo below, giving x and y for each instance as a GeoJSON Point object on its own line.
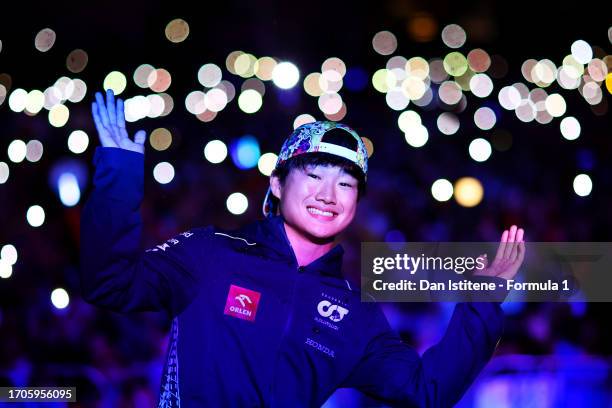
{"type": "Point", "coordinates": [334, 312]}
{"type": "Point", "coordinates": [242, 303]}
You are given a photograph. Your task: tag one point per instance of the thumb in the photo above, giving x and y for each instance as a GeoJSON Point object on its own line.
{"type": "Point", "coordinates": [140, 137]}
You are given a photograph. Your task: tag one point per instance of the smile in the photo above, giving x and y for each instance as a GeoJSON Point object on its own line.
{"type": "Point", "coordinates": [317, 212]}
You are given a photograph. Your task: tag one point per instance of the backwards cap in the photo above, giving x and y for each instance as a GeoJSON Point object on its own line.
{"type": "Point", "coordinates": [311, 138]}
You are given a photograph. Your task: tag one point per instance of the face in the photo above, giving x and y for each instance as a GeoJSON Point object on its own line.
{"type": "Point", "coordinates": [319, 202]}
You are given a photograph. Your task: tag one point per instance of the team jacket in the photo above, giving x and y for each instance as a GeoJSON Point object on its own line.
{"type": "Point", "coordinates": [250, 327]}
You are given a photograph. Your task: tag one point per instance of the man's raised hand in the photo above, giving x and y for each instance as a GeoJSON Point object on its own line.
{"type": "Point", "coordinates": [109, 119]}
{"type": "Point", "coordinates": [509, 257]}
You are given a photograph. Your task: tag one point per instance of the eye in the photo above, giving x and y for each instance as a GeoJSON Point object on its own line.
{"type": "Point", "coordinates": [314, 176]}
{"type": "Point", "coordinates": [345, 184]}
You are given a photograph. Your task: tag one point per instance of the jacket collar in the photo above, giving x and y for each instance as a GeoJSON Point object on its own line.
{"type": "Point", "coordinates": [270, 236]}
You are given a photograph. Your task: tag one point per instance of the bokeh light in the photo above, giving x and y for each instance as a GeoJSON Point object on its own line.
{"type": "Point", "coordinates": [245, 152]}
{"type": "Point", "coordinates": [237, 203]}
{"type": "Point", "coordinates": [384, 43]}
{"type": "Point", "coordinates": [453, 36]}
{"type": "Point", "coordinates": [416, 135]}
{"type": "Point", "coordinates": [209, 75]}
{"type": "Point", "coordinates": [455, 64]}
{"type": "Point", "coordinates": [160, 139]}
{"type": "Point", "coordinates": [159, 80]}
{"type": "Point", "coordinates": [266, 163]}
{"type": "Point", "coordinates": [481, 85]}
{"type": "Point", "coordinates": [265, 68]}
{"type": "Point", "coordinates": [34, 151]}
{"type": "Point", "coordinates": [442, 190]}
{"type": "Point", "coordinates": [570, 128]}
{"type": "Point", "coordinates": [163, 173]}
{"type": "Point", "coordinates": [285, 75]}
{"type": "Point", "coordinates": [509, 97]}
{"type": "Point", "coordinates": [18, 99]}
{"type": "Point", "coordinates": [6, 269]}
{"type": "Point", "coordinates": [450, 93]}
{"type": "Point", "coordinates": [583, 185]}
{"type": "Point", "coordinates": [485, 118]}
{"type": "Point", "coordinates": [555, 105]}
{"type": "Point", "coordinates": [250, 101]}
{"type": "Point", "coordinates": [480, 149]}
{"type": "Point", "coordinates": [215, 151]}
{"type": "Point", "coordinates": [35, 216]}
{"type": "Point", "coordinates": [478, 60]}
{"type": "Point", "coordinates": [177, 30]}
{"type": "Point", "coordinates": [77, 61]}
{"type": "Point", "coordinates": [141, 75]}
{"type": "Point", "coordinates": [116, 81]}
{"type": "Point", "coordinates": [448, 123]}
{"type": "Point", "coordinates": [302, 120]}
{"type": "Point", "coordinates": [78, 141]}
{"type": "Point", "coordinates": [58, 115]}
{"type": "Point", "coordinates": [68, 188]}
{"type": "Point", "coordinates": [9, 254]}
{"type": "Point", "coordinates": [582, 51]}
{"type": "Point", "coordinates": [60, 298]}
{"type": "Point", "coordinates": [468, 191]}
{"type": "Point", "coordinates": [44, 40]}
{"type": "Point", "coordinates": [17, 151]}
{"type": "Point", "coordinates": [4, 172]}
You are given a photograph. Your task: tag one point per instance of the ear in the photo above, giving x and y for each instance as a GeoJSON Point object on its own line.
{"type": "Point", "coordinates": [275, 186]}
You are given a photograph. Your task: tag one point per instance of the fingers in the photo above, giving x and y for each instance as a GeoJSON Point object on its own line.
{"type": "Point", "coordinates": [519, 238]}
{"type": "Point", "coordinates": [102, 110]}
{"type": "Point", "coordinates": [502, 247]}
{"type": "Point", "coordinates": [511, 242]}
{"type": "Point", "coordinates": [110, 106]}
{"type": "Point", "coordinates": [140, 137]}
{"type": "Point", "coordinates": [96, 117]}
{"type": "Point", "coordinates": [120, 114]}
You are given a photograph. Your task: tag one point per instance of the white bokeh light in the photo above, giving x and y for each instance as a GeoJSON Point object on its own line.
{"type": "Point", "coordinates": [35, 216]}
{"type": "Point", "coordinates": [78, 141]}
{"type": "Point", "coordinates": [60, 298]}
{"type": "Point", "coordinates": [17, 151]}
{"type": "Point", "coordinates": [69, 191]}
{"type": "Point", "coordinates": [442, 190]}
{"type": "Point", "coordinates": [582, 51]}
{"type": "Point", "coordinates": [9, 254]}
{"type": "Point", "coordinates": [237, 203]}
{"type": "Point", "coordinates": [583, 185]}
{"type": "Point", "coordinates": [163, 173]}
{"type": "Point", "coordinates": [570, 128]}
{"type": "Point", "coordinates": [266, 163]}
{"type": "Point", "coordinates": [215, 151]}
{"type": "Point", "coordinates": [480, 150]}
{"type": "Point", "coordinates": [6, 269]}
{"type": "Point", "coordinates": [285, 75]}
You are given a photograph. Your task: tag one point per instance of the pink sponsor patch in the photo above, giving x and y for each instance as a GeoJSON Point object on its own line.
{"type": "Point", "coordinates": [242, 303]}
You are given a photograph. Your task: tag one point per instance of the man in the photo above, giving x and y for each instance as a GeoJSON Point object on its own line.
{"type": "Point", "coordinates": [262, 315]}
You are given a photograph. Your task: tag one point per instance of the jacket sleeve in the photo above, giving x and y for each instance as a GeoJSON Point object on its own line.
{"type": "Point", "coordinates": [393, 372]}
{"type": "Point", "coordinates": [114, 272]}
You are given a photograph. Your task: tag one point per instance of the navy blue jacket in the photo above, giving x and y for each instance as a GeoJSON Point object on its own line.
{"type": "Point", "coordinates": [250, 327]}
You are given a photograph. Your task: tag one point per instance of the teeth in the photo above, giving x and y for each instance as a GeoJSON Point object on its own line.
{"type": "Point", "coordinates": [319, 212]}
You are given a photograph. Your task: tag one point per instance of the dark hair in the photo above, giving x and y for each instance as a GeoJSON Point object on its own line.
{"type": "Point", "coordinates": [336, 136]}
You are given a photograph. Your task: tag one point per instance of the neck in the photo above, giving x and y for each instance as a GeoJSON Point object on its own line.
{"type": "Point", "coordinates": [307, 249]}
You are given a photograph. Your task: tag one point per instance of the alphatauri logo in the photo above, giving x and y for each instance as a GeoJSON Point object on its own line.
{"type": "Point", "coordinates": [242, 303]}
{"type": "Point", "coordinates": [334, 312]}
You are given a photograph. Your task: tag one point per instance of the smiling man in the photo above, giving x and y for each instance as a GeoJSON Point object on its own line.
{"type": "Point", "coordinates": [262, 316]}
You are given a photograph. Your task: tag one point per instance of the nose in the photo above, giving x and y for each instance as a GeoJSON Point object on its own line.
{"type": "Point", "coordinates": [326, 193]}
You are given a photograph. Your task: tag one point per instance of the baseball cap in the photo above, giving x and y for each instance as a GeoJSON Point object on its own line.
{"type": "Point", "coordinates": [317, 137]}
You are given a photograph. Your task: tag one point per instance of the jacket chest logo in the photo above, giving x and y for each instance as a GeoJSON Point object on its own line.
{"type": "Point", "coordinates": [335, 313]}
{"type": "Point", "coordinates": [242, 303]}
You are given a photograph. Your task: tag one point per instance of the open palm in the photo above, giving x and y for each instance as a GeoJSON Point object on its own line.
{"type": "Point", "coordinates": [109, 119]}
{"type": "Point", "coordinates": [509, 257]}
